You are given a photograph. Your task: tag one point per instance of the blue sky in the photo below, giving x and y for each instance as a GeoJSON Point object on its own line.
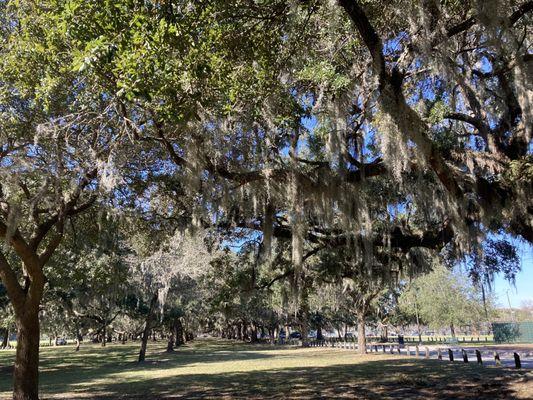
{"type": "Point", "coordinates": [523, 290]}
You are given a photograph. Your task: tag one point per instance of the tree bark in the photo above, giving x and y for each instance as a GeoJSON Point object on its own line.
{"type": "Point", "coordinates": [253, 335]}
{"type": "Point", "coordinates": [239, 331]}
{"type": "Point", "coordinates": [5, 339]}
{"type": "Point", "coordinates": [104, 328]}
{"type": "Point", "coordinates": [361, 334]}
{"type": "Point", "coordinates": [179, 340]}
{"type": "Point", "coordinates": [170, 343]}
{"type": "Point", "coordinates": [147, 328]}
{"type": "Point", "coordinates": [319, 335]}
{"type": "Point", "coordinates": [26, 373]}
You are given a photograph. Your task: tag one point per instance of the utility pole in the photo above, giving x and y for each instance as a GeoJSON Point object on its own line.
{"type": "Point", "coordinates": [510, 308]}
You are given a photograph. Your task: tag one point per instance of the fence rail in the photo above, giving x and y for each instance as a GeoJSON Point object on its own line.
{"type": "Point", "coordinates": [418, 351]}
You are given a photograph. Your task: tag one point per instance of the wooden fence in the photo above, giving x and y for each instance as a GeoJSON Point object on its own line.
{"type": "Point", "coordinates": [395, 348]}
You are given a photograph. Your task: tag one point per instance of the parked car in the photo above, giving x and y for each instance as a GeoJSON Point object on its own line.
{"type": "Point", "coordinates": [61, 341]}
{"type": "Point", "coordinates": [311, 335]}
{"type": "Point", "coordinates": [295, 335]}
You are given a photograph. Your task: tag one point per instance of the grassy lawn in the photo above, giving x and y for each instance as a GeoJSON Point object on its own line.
{"type": "Point", "coordinates": [221, 369]}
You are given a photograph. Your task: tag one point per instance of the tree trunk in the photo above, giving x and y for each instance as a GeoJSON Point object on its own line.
{"type": "Point", "coordinates": [5, 339]}
{"type": "Point", "coordinates": [26, 373]}
{"type": "Point", "coordinates": [178, 333]}
{"type": "Point", "coordinates": [239, 331]}
{"type": "Point", "coordinates": [319, 335]}
{"type": "Point", "coordinates": [104, 328]}
{"type": "Point", "coordinates": [78, 336]}
{"type": "Point", "coordinates": [170, 343]}
{"type": "Point", "coordinates": [452, 329]}
{"type": "Point", "coordinates": [253, 336]}
{"type": "Point", "coordinates": [361, 334]}
{"type": "Point", "coordinates": [147, 328]}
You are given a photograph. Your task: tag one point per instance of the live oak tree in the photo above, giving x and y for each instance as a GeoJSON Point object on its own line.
{"type": "Point", "coordinates": [56, 156]}
{"type": "Point", "coordinates": [326, 98]}
{"type": "Point", "coordinates": [88, 278]}
{"type": "Point", "coordinates": [231, 124]}
{"type": "Point", "coordinates": [157, 271]}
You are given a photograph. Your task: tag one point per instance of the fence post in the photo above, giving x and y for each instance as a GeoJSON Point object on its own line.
{"type": "Point", "coordinates": [465, 355]}
{"type": "Point", "coordinates": [478, 356]}
{"type": "Point", "coordinates": [427, 352]}
{"type": "Point", "coordinates": [497, 358]}
{"type": "Point", "coordinates": [439, 354]}
{"type": "Point", "coordinates": [450, 354]}
{"type": "Point", "coordinates": [517, 362]}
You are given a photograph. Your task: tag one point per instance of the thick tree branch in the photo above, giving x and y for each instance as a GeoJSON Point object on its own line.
{"type": "Point", "coordinates": [393, 102]}
{"type": "Point", "coordinates": [468, 23]}
{"type": "Point", "coordinates": [23, 250]}
{"type": "Point", "coordinates": [10, 281]}
{"type": "Point", "coordinates": [69, 209]}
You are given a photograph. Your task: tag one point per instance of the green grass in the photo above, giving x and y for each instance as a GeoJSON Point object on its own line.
{"type": "Point", "coordinates": [222, 369]}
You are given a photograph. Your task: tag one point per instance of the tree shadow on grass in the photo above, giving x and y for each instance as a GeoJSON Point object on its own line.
{"type": "Point", "coordinates": [112, 373]}
{"type": "Point", "coordinates": [379, 379]}
{"type": "Point", "coordinates": [60, 366]}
